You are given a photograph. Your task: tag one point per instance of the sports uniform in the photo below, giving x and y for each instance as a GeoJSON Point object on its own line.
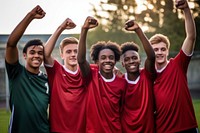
{"type": "Point", "coordinates": [138, 110]}
{"type": "Point", "coordinates": [29, 98]}
{"type": "Point", "coordinates": [103, 103]}
{"type": "Point", "coordinates": [172, 96]}
{"type": "Point", "coordinates": [68, 97]}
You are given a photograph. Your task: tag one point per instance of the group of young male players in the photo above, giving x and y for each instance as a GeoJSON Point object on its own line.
{"type": "Point", "coordinates": [84, 97]}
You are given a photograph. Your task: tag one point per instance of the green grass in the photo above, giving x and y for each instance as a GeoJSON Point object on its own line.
{"type": "Point", "coordinates": [4, 120]}
{"type": "Point", "coordinates": [5, 115]}
{"type": "Point", "coordinates": [196, 104]}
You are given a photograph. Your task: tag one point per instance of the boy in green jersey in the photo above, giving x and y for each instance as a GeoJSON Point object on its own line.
{"type": "Point", "coordinates": [29, 91]}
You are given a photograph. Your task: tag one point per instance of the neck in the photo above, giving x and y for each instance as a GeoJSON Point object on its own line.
{"type": "Point", "coordinates": [33, 70]}
{"type": "Point", "coordinates": [160, 66]}
{"type": "Point", "coordinates": [107, 75]}
{"type": "Point", "coordinates": [133, 75]}
{"type": "Point", "coordinates": [71, 68]}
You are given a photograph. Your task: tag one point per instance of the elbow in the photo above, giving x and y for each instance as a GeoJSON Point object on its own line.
{"type": "Point", "coordinates": [192, 38]}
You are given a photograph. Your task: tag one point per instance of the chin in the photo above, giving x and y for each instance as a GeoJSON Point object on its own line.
{"type": "Point", "coordinates": [160, 61]}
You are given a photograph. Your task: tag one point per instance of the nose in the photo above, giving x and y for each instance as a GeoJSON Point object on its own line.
{"type": "Point", "coordinates": [159, 51]}
{"type": "Point", "coordinates": [74, 53]}
{"type": "Point", "coordinates": [36, 54]}
{"type": "Point", "coordinates": [131, 60]}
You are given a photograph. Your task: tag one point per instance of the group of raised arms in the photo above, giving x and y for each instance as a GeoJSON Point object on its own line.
{"type": "Point", "coordinates": [92, 98]}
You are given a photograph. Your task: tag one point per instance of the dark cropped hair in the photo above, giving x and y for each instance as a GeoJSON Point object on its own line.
{"type": "Point", "coordinates": [129, 46]}
{"type": "Point", "coordinates": [33, 42]}
{"type": "Point", "coordinates": [100, 45]}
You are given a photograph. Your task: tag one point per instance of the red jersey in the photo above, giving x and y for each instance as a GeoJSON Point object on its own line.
{"type": "Point", "coordinates": [67, 100]}
{"type": "Point", "coordinates": [104, 103]}
{"type": "Point", "coordinates": [174, 108]}
{"type": "Point", "coordinates": [138, 111]}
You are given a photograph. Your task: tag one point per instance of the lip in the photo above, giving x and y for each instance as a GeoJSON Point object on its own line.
{"type": "Point", "coordinates": [132, 66]}
{"type": "Point", "coordinates": [73, 59]}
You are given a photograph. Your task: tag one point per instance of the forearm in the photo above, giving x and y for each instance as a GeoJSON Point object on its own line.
{"type": "Point", "coordinates": [146, 44]}
{"type": "Point", "coordinates": [19, 30]}
{"type": "Point", "coordinates": [189, 24]}
{"type": "Point", "coordinates": [189, 42]}
{"type": "Point", "coordinates": [81, 57]}
{"type": "Point", "coordinates": [50, 44]}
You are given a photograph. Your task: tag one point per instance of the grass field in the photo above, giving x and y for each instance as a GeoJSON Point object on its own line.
{"type": "Point", "coordinates": [4, 116]}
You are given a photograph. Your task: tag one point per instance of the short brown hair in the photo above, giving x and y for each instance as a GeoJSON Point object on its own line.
{"type": "Point", "coordinates": [157, 38]}
{"type": "Point", "coordinates": [66, 41]}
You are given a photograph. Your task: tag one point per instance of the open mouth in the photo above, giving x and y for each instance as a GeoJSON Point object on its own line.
{"type": "Point", "coordinates": [108, 66]}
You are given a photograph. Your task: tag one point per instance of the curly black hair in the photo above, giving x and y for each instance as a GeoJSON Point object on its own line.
{"type": "Point", "coordinates": [100, 45]}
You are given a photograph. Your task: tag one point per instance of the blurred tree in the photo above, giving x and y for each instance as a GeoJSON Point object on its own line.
{"type": "Point", "coordinates": [156, 16]}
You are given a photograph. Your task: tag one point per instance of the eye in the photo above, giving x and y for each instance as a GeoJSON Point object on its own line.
{"type": "Point", "coordinates": [126, 59]}
{"type": "Point", "coordinates": [155, 49]}
{"type": "Point", "coordinates": [163, 49]}
{"type": "Point", "coordinates": [32, 52]}
{"type": "Point", "coordinates": [134, 57]}
{"type": "Point", "coordinates": [112, 57]}
{"type": "Point", "coordinates": [103, 57]}
{"type": "Point", "coordinates": [68, 51]}
{"type": "Point", "coordinates": [76, 51]}
{"type": "Point", "coordinates": [40, 53]}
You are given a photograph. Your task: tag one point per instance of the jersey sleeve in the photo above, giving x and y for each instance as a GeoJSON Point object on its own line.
{"type": "Point", "coordinates": [182, 60]}
{"type": "Point", "coordinates": [13, 69]}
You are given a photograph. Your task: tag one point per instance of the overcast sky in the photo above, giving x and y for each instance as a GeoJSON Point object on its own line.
{"type": "Point", "coordinates": [12, 12]}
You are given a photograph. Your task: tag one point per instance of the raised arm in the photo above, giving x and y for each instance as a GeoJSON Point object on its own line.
{"type": "Point", "coordinates": [150, 61]}
{"type": "Point", "coordinates": [90, 22]}
{"type": "Point", "coordinates": [50, 44]}
{"type": "Point", "coordinates": [189, 42]}
{"type": "Point", "coordinates": [11, 47]}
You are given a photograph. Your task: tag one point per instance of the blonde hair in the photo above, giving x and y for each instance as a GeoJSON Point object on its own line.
{"type": "Point", "coordinates": [157, 38]}
{"type": "Point", "coordinates": [66, 41]}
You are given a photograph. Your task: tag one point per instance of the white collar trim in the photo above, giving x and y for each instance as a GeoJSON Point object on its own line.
{"type": "Point", "coordinates": [130, 81]}
{"type": "Point", "coordinates": [69, 71]}
{"type": "Point", "coordinates": [108, 80]}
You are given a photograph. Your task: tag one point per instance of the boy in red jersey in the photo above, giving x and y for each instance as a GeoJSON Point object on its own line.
{"type": "Point", "coordinates": [138, 108]}
{"type": "Point", "coordinates": [68, 94]}
{"type": "Point", "coordinates": [174, 108]}
{"type": "Point", "coordinates": [105, 89]}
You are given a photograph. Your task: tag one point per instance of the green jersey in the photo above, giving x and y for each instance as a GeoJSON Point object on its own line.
{"type": "Point", "coordinates": [29, 98]}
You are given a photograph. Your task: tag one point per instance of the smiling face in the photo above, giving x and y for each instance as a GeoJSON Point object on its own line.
{"type": "Point", "coordinates": [161, 52]}
{"type": "Point", "coordinates": [69, 55]}
{"type": "Point", "coordinates": [131, 61]}
{"type": "Point", "coordinates": [106, 62]}
{"type": "Point", "coordinates": [34, 57]}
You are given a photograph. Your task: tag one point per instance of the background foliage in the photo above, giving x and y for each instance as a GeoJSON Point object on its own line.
{"type": "Point", "coordinates": [155, 16]}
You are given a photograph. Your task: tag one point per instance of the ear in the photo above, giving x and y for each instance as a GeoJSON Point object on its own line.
{"type": "Point", "coordinates": [24, 55]}
{"type": "Point", "coordinates": [97, 62]}
{"type": "Point", "coordinates": [123, 64]}
{"type": "Point", "coordinates": [167, 52]}
{"type": "Point", "coordinates": [61, 55]}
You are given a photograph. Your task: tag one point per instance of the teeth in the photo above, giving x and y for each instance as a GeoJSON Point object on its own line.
{"type": "Point", "coordinates": [132, 66]}
{"type": "Point", "coordinates": [107, 66]}
{"type": "Point", "coordinates": [36, 61]}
